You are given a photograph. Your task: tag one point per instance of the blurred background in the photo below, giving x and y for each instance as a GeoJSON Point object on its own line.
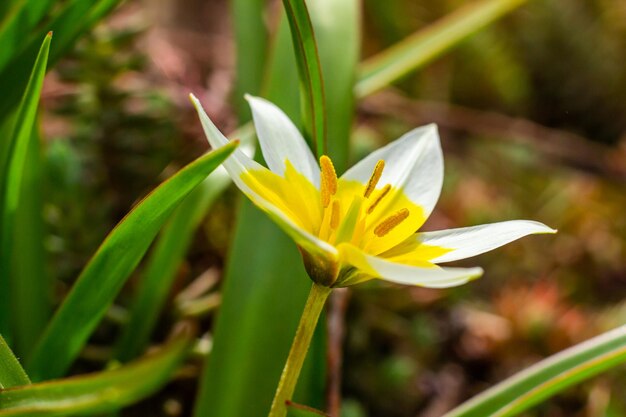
{"type": "Point", "coordinates": [532, 114]}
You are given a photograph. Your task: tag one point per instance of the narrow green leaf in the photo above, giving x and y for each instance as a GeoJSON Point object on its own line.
{"type": "Point", "coordinates": [21, 20]}
{"type": "Point", "coordinates": [167, 256]}
{"type": "Point", "coordinates": [109, 268]}
{"type": "Point", "coordinates": [251, 39]}
{"type": "Point", "coordinates": [282, 89]}
{"type": "Point", "coordinates": [381, 70]}
{"type": "Point", "coordinates": [309, 67]}
{"type": "Point", "coordinates": [163, 263]}
{"type": "Point", "coordinates": [71, 20]}
{"type": "Point", "coordinates": [31, 292]}
{"type": "Point", "coordinates": [99, 392]}
{"type": "Point", "coordinates": [11, 179]}
{"type": "Point", "coordinates": [338, 20]}
{"type": "Point", "coordinates": [548, 377]}
{"type": "Point", "coordinates": [11, 372]}
{"type": "Point", "coordinates": [298, 410]}
{"type": "Point", "coordinates": [263, 294]}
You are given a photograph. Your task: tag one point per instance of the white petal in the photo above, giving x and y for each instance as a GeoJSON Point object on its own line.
{"type": "Point", "coordinates": [280, 140]}
{"type": "Point", "coordinates": [425, 277]}
{"type": "Point", "coordinates": [466, 242]}
{"type": "Point", "coordinates": [431, 277]}
{"type": "Point", "coordinates": [414, 163]}
{"type": "Point", "coordinates": [238, 162]}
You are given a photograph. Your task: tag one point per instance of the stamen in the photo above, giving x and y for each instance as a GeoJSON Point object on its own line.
{"type": "Point", "coordinates": [390, 222]}
{"type": "Point", "coordinates": [328, 180]}
{"type": "Point", "coordinates": [379, 197]}
{"type": "Point", "coordinates": [334, 216]}
{"type": "Point", "coordinates": [371, 184]}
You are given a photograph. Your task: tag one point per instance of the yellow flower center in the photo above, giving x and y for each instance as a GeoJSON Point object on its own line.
{"type": "Point", "coordinates": [337, 229]}
{"type": "Point", "coordinates": [371, 217]}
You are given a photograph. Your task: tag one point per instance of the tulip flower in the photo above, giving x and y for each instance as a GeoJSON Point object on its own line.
{"type": "Point", "coordinates": [360, 226]}
{"type": "Point", "coordinates": [364, 224]}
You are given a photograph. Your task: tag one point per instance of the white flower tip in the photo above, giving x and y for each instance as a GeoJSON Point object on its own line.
{"type": "Point", "coordinates": [541, 228]}
{"type": "Point", "coordinates": [475, 273]}
{"type": "Point", "coordinates": [431, 127]}
{"type": "Point", "coordinates": [250, 98]}
{"type": "Point", "coordinates": [194, 100]}
{"type": "Point", "coordinates": [259, 103]}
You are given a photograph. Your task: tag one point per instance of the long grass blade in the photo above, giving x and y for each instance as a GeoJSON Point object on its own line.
{"type": "Point", "coordinates": [252, 40]}
{"type": "Point", "coordinates": [381, 70]}
{"type": "Point", "coordinates": [31, 289]}
{"type": "Point", "coordinates": [106, 272]}
{"type": "Point", "coordinates": [163, 263]}
{"type": "Point", "coordinates": [11, 372]}
{"type": "Point", "coordinates": [99, 392]}
{"type": "Point", "coordinates": [71, 20]}
{"type": "Point", "coordinates": [265, 284]}
{"type": "Point", "coordinates": [341, 20]}
{"type": "Point", "coordinates": [13, 174]}
{"type": "Point", "coordinates": [310, 70]}
{"type": "Point", "coordinates": [19, 23]}
{"type": "Point", "coordinates": [548, 377]}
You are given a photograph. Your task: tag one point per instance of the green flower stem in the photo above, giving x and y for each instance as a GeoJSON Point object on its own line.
{"type": "Point", "coordinates": [299, 348]}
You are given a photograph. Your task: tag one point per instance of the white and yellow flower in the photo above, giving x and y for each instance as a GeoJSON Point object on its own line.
{"type": "Point", "coordinates": [362, 225]}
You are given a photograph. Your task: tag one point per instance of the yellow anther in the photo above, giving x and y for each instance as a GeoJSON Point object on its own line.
{"type": "Point", "coordinates": [334, 216]}
{"type": "Point", "coordinates": [328, 180]}
{"type": "Point", "coordinates": [379, 197]}
{"type": "Point", "coordinates": [371, 184]}
{"type": "Point", "coordinates": [390, 222]}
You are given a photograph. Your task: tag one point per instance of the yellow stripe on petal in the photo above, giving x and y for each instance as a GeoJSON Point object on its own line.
{"type": "Point", "coordinates": [293, 194]}
{"type": "Point", "coordinates": [392, 219]}
{"type": "Point", "coordinates": [412, 252]}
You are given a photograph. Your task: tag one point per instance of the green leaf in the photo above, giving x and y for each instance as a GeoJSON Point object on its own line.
{"type": "Point", "coordinates": [11, 372]}
{"type": "Point", "coordinates": [264, 291]}
{"type": "Point", "coordinates": [548, 377]}
{"type": "Point", "coordinates": [106, 272]}
{"type": "Point", "coordinates": [13, 174]}
{"type": "Point", "coordinates": [68, 22]}
{"type": "Point", "coordinates": [310, 70]}
{"type": "Point", "coordinates": [413, 52]}
{"type": "Point", "coordinates": [99, 392]}
{"type": "Point", "coordinates": [251, 39]}
{"type": "Point", "coordinates": [341, 20]}
{"type": "Point", "coordinates": [163, 263]}
{"type": "Point", "coordinates": [31, 289]}
{"type": "Point", "coordinates": [20, 21]}
{"type": "Point", "coordinates": [298, 410]}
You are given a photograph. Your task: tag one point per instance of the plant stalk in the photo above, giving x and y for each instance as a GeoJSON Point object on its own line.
{"type": "Point", "coordinates": [297, 354]}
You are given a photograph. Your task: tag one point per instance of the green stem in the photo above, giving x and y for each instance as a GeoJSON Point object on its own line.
{"type": "Point", "coordinates": [299, 348]}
